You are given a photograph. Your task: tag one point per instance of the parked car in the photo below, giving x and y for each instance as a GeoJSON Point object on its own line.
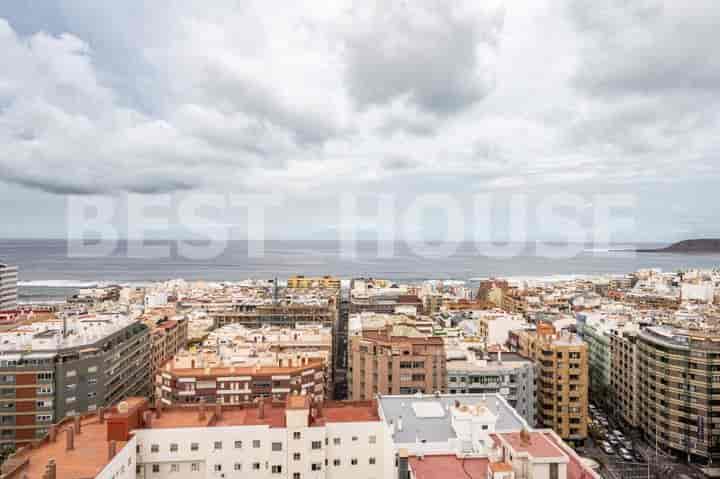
{"type": "Point", "coordinates": [626, 456]}
{"type": "Point", "coordinates": [612, 440]}
{"type": "Point", "coordinates": [607, 449]}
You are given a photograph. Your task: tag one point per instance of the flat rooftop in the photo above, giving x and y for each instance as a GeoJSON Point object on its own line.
{"type": "Point", "coordinates": [439, 429]}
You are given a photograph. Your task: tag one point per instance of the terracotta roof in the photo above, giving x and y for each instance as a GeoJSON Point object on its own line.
{"type": "Point", "coordinates": [538, 445]}
{"type": "Point", "coordinates": [448, 467]}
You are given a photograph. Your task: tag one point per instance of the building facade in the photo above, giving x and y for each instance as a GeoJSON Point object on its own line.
{"type": "Point", "coordinates": [624, 373]}
{"type": "Point", "coordinates": [48, 374]}
{"type": "Point", "coordinates": [8, 287]}
{"type": "Point", "coordinates": [562, 379]}
{"type": "Point", "coordinates": [679, 391]}
{"type": "Point", "coordinates": [381, 362]}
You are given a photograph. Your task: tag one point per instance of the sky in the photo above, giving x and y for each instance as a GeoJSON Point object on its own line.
{"type": "Point", "coordinates": [307, 104]}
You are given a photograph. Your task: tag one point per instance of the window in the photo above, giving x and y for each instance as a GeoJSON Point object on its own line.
{"type": "Point", "coordinates": [371, 461]}
{"type": "Point", "coordinates": [154, 448]}
{"type": "Point", "coordinates": [218, 467]}
{"type": "Point", "coordinates": [296, 456]}
{"type": "Point", "coordinates": [44, 418]}
{"type": "Point", "coordinates": [277, 446]}
{"type": "Point", "coordinates": [276, 469]}
{"type": "Point", "coordinates": [92, 394]}
{"type": "Point", "coordinates": [256, 444]}
{"type": "Point", "coordinates": [256, 466]}
{"type": "Point", "coordinates": [238, 444]}
{"type": "Point", "coordinates": [173, 447]}
{"type": "Point", "coordinates": [92, 381]}
{"type": "Point", "coordinates": [217, 445]}
{"type": "Point", "coordinates": [174, 467]}
{"type": "Point", "coordinates": [372, 439]}
{"type": "Point", "coordinates": [296, 475]}
{"type": "Point", "coordinates": [354, 438]}
{"type": "Point", "coordinates": [195, 467]}
{"type": "Point", "coordinates": [353, 461]}
{"type": "Point", "coordinates": [71, 374]}
{"type": "Point", "coordinates": [92, 369]}
{"type": "Point", "coordinates": [237, 466]}
{"type": "Point", "coordinates": [316, 444]}
{"type": "Point", "coordinates": [553, 471]}
{"type": "Point", "coordinates": [336, 441]}
{"type": "Point", "coordinates": [336, 462]}
{"type": "Point", "coordinates": [316, 466]}
{"type": "Point", "coordinates": [156, 468]}
{"type": "Point", "coordinates": [194, 446]}
{"type": "Point", "coordinates": [296, 435]}
{"type": "Point", "coordinates": [70, 399]}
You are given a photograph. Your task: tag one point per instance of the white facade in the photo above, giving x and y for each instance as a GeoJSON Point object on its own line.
{"type": "Point", "coordinates": [8, 287]}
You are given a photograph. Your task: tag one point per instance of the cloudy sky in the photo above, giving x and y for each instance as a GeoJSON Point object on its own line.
{"type": "Point", "coordinates": [310, 101]}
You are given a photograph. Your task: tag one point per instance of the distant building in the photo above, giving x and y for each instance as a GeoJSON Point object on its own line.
{"type": "Point", "coordinates": [8, 287]}
{"type": "Point", "coordinates": [302, 282]}
{"type": "Point", "coordinates": [49, 371]}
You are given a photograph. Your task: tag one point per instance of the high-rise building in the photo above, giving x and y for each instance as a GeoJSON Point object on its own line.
{"type": "Point", "coordinates": [8, 287]}
{"type": "Point", "coordinates": [596, 333]}
{"type": "Point", "coordinates": [624, 373]}
{"type": "Point", "coordinates": [562, 379]}
{"type": "Point", "coordinates": [396, 360]}
{"type": "Point", "coordinates": [64, 368]}
{"type": "Point", "coordinates": [679, 383]}
{"type": "Point", "coordinates": [168, 337]}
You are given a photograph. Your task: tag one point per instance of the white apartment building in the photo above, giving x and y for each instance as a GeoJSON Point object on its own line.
{"type": "Point", "coordinates": [8, 287]}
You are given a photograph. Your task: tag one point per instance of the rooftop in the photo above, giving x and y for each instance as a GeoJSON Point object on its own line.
{"type": "Point", "coordinates": [438, 428]}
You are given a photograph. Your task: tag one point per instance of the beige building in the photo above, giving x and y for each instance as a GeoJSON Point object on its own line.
{"type": "Point", "coordinates": [562, 378]}
{"type": "Point", "coordinates": [396, 360]}
{"type": "Point", "coordinates": [302, 282]}
{"type": "Point", "coordinates": [679, 391]}
{"type": "Point", "coordinates": [624, 373]}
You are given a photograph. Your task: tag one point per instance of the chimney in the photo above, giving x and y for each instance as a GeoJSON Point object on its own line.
{"type": "Point", "coordinates": [201, 413]}
{"type": "Point", "coordinates": [78, 426]}
{"type": "Point", "coordinates": [112, 450]}
{"type": "Point", "coordinates": [261, 408]}
{"type": "Point", "coordinates": [403, 467]}
{"type": "Point", "coordinates": [218, 411]}
{"type": "Point", "coordinates": [101, 414]}
{"type": "Point", "coordinates": [158, 408]}
{"type": "Point", "coordinates": [69, 439]}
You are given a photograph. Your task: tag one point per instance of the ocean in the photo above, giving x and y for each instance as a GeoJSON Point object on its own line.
{"type": "Point", "coordinates": [49, 272]}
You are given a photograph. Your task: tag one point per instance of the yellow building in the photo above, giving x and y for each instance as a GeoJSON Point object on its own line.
{"type": "Point", "coordinates": [302, 282]}
{"type": "Point", "coordinates": [562, 379]}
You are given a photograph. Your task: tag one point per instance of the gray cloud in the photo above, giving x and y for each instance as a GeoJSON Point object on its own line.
{"type": "Point", "coordinates": [428, 53]}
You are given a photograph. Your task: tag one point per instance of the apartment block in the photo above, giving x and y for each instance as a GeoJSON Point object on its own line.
{"type": "Point", "coordinates": [51, 370]}
{"type": "Point", "coordinates": [8, 287]}
{"type": "Point", "coordinates": [322, 282]}
{"type": "Point", "coordinates": [678, 391]}
{"type": "Point", "coordinates": [562, 379]}
{"type": "Point", "coordinates": [169, 336]}
{"type": "Point", "coordinates": [392, 437]}
{"type": "Point", "coordinates": [396, 360]}
{"type": "Point", "coordinates": [624, 373]}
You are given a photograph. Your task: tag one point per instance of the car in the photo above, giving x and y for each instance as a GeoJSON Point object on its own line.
{"type": "Point", "coordinates": [617, 433]}
{"type": "Point", "coordinates": [612, 440]}
{"type": "Point", "coordinates": [627, 444]}
{"type": "Point", "coordinates": [626, 456]}
{"type": "Point", "coordinates": [608, 449]}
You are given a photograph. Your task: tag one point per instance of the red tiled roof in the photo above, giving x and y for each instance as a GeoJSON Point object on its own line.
{"type": "Point", "coordinates": [448, 467]}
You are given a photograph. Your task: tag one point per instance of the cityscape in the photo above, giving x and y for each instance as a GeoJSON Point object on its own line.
{"type": "Point", "coordinates": [605, 376]}
{"type": "Point", "coordinates": [340, 239]}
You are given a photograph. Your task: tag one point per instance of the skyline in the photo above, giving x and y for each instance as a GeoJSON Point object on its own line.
{"type": "Point", "coordinates": [387, 98]}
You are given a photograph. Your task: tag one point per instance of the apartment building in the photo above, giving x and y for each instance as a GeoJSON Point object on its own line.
{"type": "Point", "coordinates": [562, 379]}
{"type": "Point", "coordinates": [168, 336]}
{"type": "Point", "coordinates": [624, 373]}
{"type": "Point", "coordinates": [596, 333]}
{"type": "Point", "coordinates": [186, 379]}
{"type": "Point", "coordinates": [494, 326]}
{"type": "Point", "coordinates": [323, 282]}
{"type": "Point", "coordinates": [51, 370]}
{"type": "Point", "coordinates": [678, 391]}
{"type": "Point", "coordinates": [508, 374]}
{"type": "Point", "coordinates": [395, 360]}
{"type": "Point", "coordinates": [393, 437]}
{"type": "Point", "coordinates": [8, 287]}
